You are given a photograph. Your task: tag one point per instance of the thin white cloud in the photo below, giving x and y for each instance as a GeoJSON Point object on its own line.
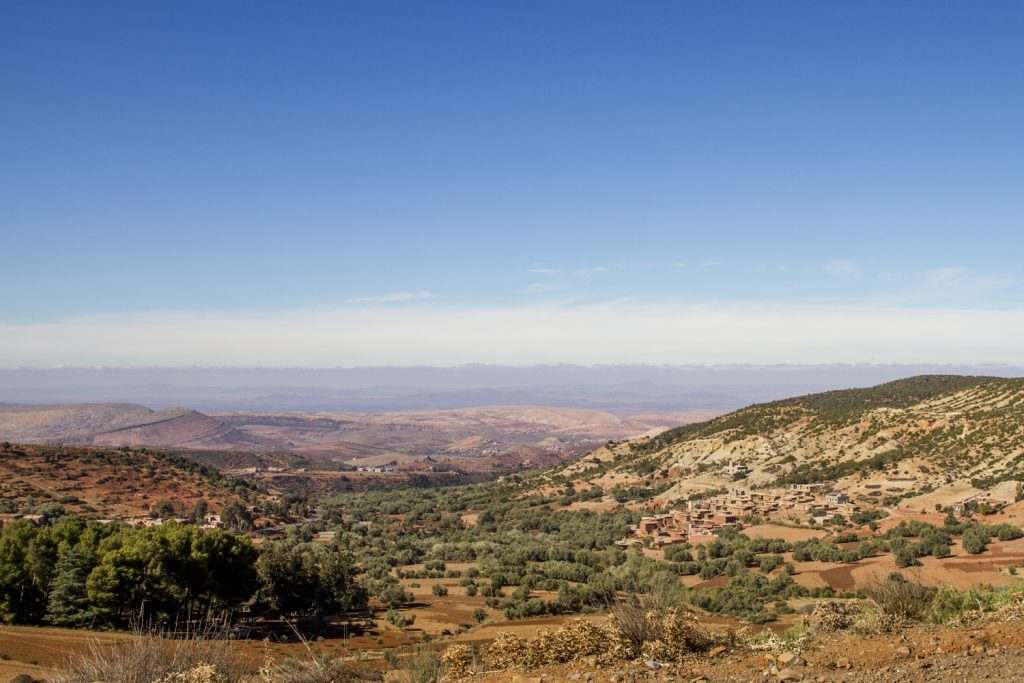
{"type": "Point", "coordinates": [847, 269]}
{"type": "Point", "coordinates": [963, 277]}
{"type": "Point", "coordinates": [622, 332]}
{"type": "Point", "coordinates": [710, 264]}
{"type": "Point", "coordinates": [582, 273]}
{"type": "Point", "coordinates": [541, 287]}
{"type": "Point", "coordinates": [940, 286]}
{"type": "Point", "coordinates": [940, 277]}
{"type": "Point", "coordinates": [564, 279]}
{"type": "Point", "coordinates": [393, 297]}
{"type": "Point", "coordinates": [587, 273]}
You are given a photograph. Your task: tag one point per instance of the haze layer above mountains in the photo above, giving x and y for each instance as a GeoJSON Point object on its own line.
{"type": "Point", "coordinates": [620, 389]}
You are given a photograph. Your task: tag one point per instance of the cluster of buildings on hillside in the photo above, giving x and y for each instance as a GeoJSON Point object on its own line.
{"type": "Point", "coordinates": [703, 518]}
{"type": "Point", "coordinates": [427, 464]}
{"type": "Point", "coordinates": [983, 502]}
{"type": "Point", "coordinates": [210, 521]}
{"type": "Point", "coordinates": [34, 520]}
{"type": "Point", "coordinates": [388, 467]}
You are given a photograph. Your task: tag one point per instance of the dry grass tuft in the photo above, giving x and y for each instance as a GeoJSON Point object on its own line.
{"type": "Point", "coordinates": [204, 673]}
{"type": "Point", "coordinates": [204, 656]}
{"type": "Point", "coordinates": [312, 669]}
{"type": "Point", "coordinates": [147, 657]}
{"type": "Point", "coordinates": [426, 666]}
{"type": "Point", "coordinates": [631, 626]}
{"type": "Point", "coordinates": [901, 598]}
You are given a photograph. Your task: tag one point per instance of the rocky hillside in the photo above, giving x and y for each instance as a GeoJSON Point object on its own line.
{"type": "Point", "coordinates": [912, 436]}
{"type": "Point", "coordinates": [106, 482]}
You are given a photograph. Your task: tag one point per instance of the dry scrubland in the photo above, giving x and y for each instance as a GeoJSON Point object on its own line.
{"type": "Point", "coordinates": [477, 439]}
{"type": "Point", "coordinates": [516, 577]}
{"type": "Point", "coordinates": [900, 633]}
{"type": "Point", "coordinates": [113, 483]}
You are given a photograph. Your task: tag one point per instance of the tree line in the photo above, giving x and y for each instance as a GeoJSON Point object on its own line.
{"type": "Point", "coordinates": [81, 573]}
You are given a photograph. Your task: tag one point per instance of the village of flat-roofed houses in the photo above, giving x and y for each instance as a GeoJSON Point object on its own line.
{"type": "Point", "coordinates": [704, 517]}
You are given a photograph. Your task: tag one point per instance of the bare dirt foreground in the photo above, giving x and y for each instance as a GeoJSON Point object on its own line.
{"type": "Point", "coordinates": [990, 653]}
{"type": "Point", "coordinates": [987, 652]}
{"type": "Point", "coordinates": [37, 652]}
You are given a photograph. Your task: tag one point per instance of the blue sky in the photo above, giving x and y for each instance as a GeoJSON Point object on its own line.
{"type": "Point", "coordinates": [323, 167]}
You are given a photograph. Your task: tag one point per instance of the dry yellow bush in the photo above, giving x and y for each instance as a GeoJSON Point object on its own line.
{"type": "Point", "coordinates": [1013, 611]}
{"type": "Point", "coordinates": [831, 616]}
{"type": "Point", "coordinates": [682, 634]}
{"type": "Point", "coordinates": [457, 660]}
{"type": "Point", "coordinates": [874, 622]}
{"type": "Point", "coordinates": [667, 636]}
{"type": "Point", "coordinates": [508, 651]}
{"type": "Point", "coordinates": [677, 634]}
{"type": "Point", "coordinates": [544, 648]}
{"type": "Point", "coordinates": [583, 638]}
{"type": "Point", "coordinates": [572, 640]}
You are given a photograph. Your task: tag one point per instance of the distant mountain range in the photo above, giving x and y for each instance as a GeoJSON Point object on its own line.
{"type": "Point", "coordinates": [477, 438]}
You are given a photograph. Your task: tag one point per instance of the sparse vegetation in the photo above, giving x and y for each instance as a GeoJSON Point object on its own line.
{"type": "Point", "coordinates": [902, 598]}
{"type": "Point", "coordinates": [545, 543]}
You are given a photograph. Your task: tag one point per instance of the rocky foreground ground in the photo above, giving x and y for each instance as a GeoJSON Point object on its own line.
{"type": "Point", "coordinates": [989, 652]}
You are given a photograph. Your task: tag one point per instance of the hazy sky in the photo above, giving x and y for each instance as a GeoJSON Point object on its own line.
{"type": "Point", "coordinates": [278, 183]}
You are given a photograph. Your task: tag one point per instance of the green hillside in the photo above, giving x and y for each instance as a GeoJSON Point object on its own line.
{"type": "Point", "coordinates": [929, 432]}
{"type": "Point", "coordinates": [835, 406]}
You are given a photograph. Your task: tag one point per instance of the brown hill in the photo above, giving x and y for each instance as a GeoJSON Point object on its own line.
{"type": "Point", "coordinates": [178, 427]}
{"type": "Point", "coordinates": [105, 482]}
{"type": "Point", "coordinates": [70, 423]}
{"type": "Point", "coordinates": [118, 424]}
{"type": "Point", "coordinates": [479, 439]}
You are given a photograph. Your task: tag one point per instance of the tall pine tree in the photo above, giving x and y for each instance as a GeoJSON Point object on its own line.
{"type": "Point", "coordinates": [69, 604]}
